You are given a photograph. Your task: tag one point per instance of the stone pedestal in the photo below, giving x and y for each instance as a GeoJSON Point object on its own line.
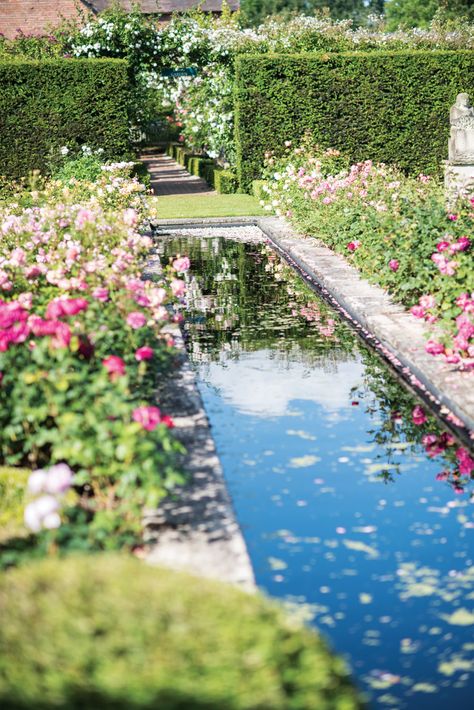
{"type": "Point", "coordinates": [459, 169]}
{"type": "Point", "coordinates": [458, 180]}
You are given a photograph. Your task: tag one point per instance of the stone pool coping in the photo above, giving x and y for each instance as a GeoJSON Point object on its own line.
{"type": "Point", "coordinates": [393, 331]}
{"type": "Point", "coordinates": [196, 529]}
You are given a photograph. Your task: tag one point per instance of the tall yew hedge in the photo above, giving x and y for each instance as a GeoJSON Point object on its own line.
{"type": "Point", "coordinates": [51, 103]}
{"type": "Point", "coordinates": [387, 106]}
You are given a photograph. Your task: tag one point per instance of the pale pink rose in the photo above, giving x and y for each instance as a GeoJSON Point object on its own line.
{"type": "Point", "coordinates": [100, 294]}
{"type": "Point", "coordinates": [181, 264]}
{"type": "Point", "coordinates": [136, 320]}
{"type": "Point", "coordinates": [115, 366]}
{"type": "Point", "coordinates": [178, 287]}
{"type": "Point", "coordinates": [130, 217]}
{"type": "Point", "coordinates": [59, 479]}
{"type": "Point", "coordinates": [427, 301]}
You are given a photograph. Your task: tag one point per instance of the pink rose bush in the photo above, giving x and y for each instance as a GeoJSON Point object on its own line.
{"type": "Point", "coordinates": [394, 228]}
{"type": "Point", "coordinates": [81, 348]}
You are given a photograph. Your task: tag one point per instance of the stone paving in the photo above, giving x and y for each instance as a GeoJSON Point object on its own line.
{"type": "Point", "coordinates": [169, 178]}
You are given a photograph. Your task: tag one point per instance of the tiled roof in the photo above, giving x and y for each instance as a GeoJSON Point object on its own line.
{"type": "Point", "coordinates": [166, 7]}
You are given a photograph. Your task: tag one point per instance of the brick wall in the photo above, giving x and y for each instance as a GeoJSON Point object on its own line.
{"type": "Point", "coordinates": [33, 16]}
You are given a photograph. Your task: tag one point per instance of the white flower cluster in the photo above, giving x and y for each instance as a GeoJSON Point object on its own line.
{"type": "Point", "coordinates": [48, 487]}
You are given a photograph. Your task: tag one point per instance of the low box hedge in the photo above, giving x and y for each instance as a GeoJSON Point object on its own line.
{"type": "Point", "coordinates": [47, 104]}
{"type": "Point", "coordinates": [390, 107]}
{"type": "Point", "coordinates": [223, 181]}
{"type": "Point", "coordinates": [111, 632]}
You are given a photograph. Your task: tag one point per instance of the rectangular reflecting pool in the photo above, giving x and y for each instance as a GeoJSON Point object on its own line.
{"type": "Point", "coordinates": [355, 504]}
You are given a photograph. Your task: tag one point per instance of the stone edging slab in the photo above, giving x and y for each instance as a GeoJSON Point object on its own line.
{"type": "Point", "coordinates": [196, 529]}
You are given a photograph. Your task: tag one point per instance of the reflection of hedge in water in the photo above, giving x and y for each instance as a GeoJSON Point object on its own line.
{"type": "Point", "coordinates": [242, 296]}
{"type": "Point", "coordinates": [389, 403]}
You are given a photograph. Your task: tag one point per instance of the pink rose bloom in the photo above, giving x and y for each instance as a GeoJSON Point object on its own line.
{"type": "Point", "coordinates": [148, 417]}
{"type": "Point", "coordinates": [427, 301]}
{"type": "Point", "coordinates": [62, 336]}
{"type": "Point", "coordinates": [130, 217]}
{"type": "Point", "coordinates": [178, 287]}
{"type": "Point", "coordinates": [418, 415]}
{"type": "Point", "coordinates": [452, 359]}
{"type": "Point", "coordinates": [18, 257]}
{"type": "Point", "coordinates": [136, 320]}
{"type": "Point", "coordinates": [462, 244]}
{"type": "Point", "coordinates": [157, 296]}
{"type": "Point", "coordinates": [394, 264]}
{"type": "Point", "coordinates": [142, 300]}
{"type": "Point", "coordinates": [181, 264]}
{"type": "Point", "coordinates": [32, 272]}
{"type": "Point", "coordinates": [434, 348]}
{"type": "Point", "coordinates": [443, 476]}
{"type": "Point", "coordinates": [144, 353]}
{"type": "Point", "coordinates": [417, 311]}
{"type": "Point", "coordinates": [353, 246]}
{"type": "Point", "coordinates": [115, 366]}
{"type": "Point", "coordinates": [101, 294]}
{"type": "Point", "coordinates": [452, 217]}
{"type": "Point", "coordinates": [443, 246]}
{"type": "Point", "coordinates": [83, 217]}
{"type": "Point", "coordinates": [466, 463]}
{"type": "Point", "coordinates": [66, 307]}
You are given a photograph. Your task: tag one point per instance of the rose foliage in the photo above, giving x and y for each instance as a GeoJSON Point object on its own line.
{"type": "Point", "coordinates": [82, 346]}
{"type": "Point", "coordinates": [396, 230]}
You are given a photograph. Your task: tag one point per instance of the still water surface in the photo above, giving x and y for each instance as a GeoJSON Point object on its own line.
{"type": "Point", "coordinates": [347, 508]}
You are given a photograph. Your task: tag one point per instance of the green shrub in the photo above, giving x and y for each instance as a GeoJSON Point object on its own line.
{"type": "Point", "coordinates": [390, 107]}
{"type": "Point", "coordinates": [47, 104]}
{"type": "Point", "coordinates": [12, 494]}
{"type": "Point", "coordinates": [84, 167]}
{"type": "Point", "coordinates": [110, 632]}
{"type": "Point", "coordinates": [258, 189]}
{"type": "Point", "coordinates": [225, 181]}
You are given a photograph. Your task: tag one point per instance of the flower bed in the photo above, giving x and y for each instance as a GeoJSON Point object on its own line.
{"type": "Point", "coordinates": [395, 229]}
{"type": "Point", "coordinates": [81, 351]}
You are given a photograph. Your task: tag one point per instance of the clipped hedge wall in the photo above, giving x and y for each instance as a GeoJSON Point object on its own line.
{"type": "Point", "coordinates": [390, 107]}
{"type": "Point", "coordinates": [110, 632]}
{"type": "Point", "coordinates": [51, 103]}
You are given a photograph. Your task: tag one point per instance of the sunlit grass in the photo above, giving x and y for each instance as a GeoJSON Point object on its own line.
{"type": "Point", "coordinates": [214, 205]}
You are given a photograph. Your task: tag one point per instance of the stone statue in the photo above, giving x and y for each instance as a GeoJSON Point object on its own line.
{"type": "Point", "coordinates": [459, 169]}
{"type": "Point", "coordinates": [461, 141]}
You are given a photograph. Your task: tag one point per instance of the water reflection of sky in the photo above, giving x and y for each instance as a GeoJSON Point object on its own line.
{"type": "Point", "coordinates": [385, 570]}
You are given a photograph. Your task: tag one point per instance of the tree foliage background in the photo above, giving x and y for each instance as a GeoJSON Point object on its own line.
{"type": "Point", "coordinates": [411, 13]}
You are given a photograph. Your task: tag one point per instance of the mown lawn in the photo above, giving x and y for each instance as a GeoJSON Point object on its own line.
{"type": "Point", "coordinates": [214, 205]}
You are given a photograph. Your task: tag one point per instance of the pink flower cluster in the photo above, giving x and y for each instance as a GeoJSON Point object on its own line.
{"type": "Point", "coordinates": [149, 418]}
{"type": "Point", "coordinates": [17, 324]}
